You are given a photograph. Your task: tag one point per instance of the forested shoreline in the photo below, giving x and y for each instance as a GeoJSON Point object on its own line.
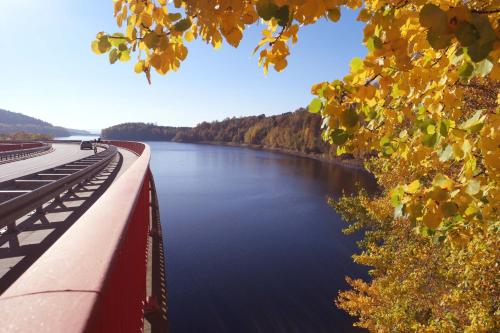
{"type": "Point", "coordinates": [296, 132]}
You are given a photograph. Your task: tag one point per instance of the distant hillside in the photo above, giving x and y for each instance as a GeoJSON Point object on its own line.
{"type": "Point", "coordinates": [142, 132]}
{"type": "Point", "coordinates": [25, 136]}
{"type": "Point", "coordinates": [73, 131]}
{"type": "Point", "coordinates": [12, 122]}
{"type": "Point", "coordinates": [298, 131]}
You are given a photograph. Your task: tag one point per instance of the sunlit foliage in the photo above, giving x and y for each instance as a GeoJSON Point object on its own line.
{"type": "Point", "coordinates": [421, 108]}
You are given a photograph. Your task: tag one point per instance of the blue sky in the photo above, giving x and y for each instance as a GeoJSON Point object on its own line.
{"type": "Point", "coordinates": [49, 72]}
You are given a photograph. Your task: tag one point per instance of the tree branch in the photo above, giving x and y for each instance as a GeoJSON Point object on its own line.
{"type": "Point", "coordinates": [485, 11]}
{"type": "Point", "coordinates": [371, 80]}
{"type": "Point", "coordinates": [278, 37]}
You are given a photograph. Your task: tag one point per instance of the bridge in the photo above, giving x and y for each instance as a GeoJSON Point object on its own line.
{"type": "Point", "coordinates": [81, 246]}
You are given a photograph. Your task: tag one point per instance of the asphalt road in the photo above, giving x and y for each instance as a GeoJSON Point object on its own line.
{"type": "Point", "coordinates": [63, 153]}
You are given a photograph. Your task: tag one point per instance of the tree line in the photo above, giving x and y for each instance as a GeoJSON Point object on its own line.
{"type": "Point", "coordinates": [298, 131]}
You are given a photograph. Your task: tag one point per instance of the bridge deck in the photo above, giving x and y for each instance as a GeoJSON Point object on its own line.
{"type": "Point", "coordinates": [63, 153]}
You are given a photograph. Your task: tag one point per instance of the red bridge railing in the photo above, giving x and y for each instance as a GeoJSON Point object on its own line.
{"type": "Point", "coordinates": [93, 279]}
{"type": "Point", "coordinates": [12, 145]}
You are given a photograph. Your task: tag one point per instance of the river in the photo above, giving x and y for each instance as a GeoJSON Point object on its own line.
{"type": "Point", "coordinates": [251, 245]}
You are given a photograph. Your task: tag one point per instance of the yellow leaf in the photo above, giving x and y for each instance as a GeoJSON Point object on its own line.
{"type": "Point", "coordinates": [280, 64]}
{"type": "Point", "coordinates": [433, 215]}
{"type": "Point", "coordinates": [139, 67]}
{"type": "Point", "coordinates": [189, 36]}
{"type": "Point", "coordinates": [413, 187]}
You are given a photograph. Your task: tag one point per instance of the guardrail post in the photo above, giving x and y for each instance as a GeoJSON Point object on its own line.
{"type": "Point", "coordinates": [12, 228]}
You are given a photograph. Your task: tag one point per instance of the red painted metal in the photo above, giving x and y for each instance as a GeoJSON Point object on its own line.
{"type": "Point", "coordinates": [6, 146]}
{"type": "Point", "coordinates": [136, 147]}
{"type": "Point", "coordinates": [93, 279]}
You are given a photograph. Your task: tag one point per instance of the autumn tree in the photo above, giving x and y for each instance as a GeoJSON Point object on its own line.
{"type": "Point", "coordinates": [421, 108]}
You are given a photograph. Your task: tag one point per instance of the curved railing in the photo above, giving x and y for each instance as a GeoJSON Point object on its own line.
{"type": "Point", "coordinates": [12, 151]}
{"type": "Point", "coordinates": [93, 279]}
{"type": "Point", "coordinates": [18, 145]}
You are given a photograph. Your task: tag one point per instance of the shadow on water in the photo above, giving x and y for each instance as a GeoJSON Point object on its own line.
{"type": "Point", "coordinates": [251, 245]}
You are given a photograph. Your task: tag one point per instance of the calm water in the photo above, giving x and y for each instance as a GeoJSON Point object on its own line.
{"type": "Point", "coordinates": [79, 137]}
{"type": "Point", "coordinates": [251, 245]}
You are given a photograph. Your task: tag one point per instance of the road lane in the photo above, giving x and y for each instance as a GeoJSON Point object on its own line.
{"type": "Point", "coordinates": [63, 153]}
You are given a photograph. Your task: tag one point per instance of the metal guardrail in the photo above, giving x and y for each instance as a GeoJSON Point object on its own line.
{"type": "Point", "coordinates": [18, 201]}
{"type": "Point", "coordinates": [9, 154]}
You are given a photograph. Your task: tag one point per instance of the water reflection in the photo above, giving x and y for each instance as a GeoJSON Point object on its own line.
{"type": "Point", "coordinates": [251, 244]}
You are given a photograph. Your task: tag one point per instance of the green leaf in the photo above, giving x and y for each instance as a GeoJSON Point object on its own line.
{"type": "Point", "coordinates": [124, 56]}
{"type": "Point", "coordinates": [388, 150]}
{"type": "Point", "coordinates": [422, 124]}
{"type": "Point", "coordinates": [266, 9]}
{"type": "Point", "coordinates": [315, 105]}
{"type": "Point", "coordinates": [183, 25]}
{"type": "Point", "coordinates": [396, 196]}
{"type": "Point", "coordinates": [174, 16]}
{"type": "Point", "coordinates": [103, 45]}
{"type": "Point", "coordinates": [448, 208]}
{"type": "Point", "coordinates": [478, 51]}
{"type": "Point", "coordinates": [467, 34]}
{"type": "Point", "coordinates": [373, 43]}
{"type": "Point", "coordinates": [339, 136]}
{"type": "Point", "coordinates": [349, 117]}
{"type": "Point", "coordinates": [444, 127]}
{"type": "Point", "coordinates": [483, 25]}
{"type": "Point", "coordinates": [118, 40]}
{"type": "Point", "coordinates": [356, 64]}
{"type": "Point", "coordinates": [438, 40]}
{"type": "Point", "coordinates": [465, 71]}
{"type": "Point", "coordinates": [442, 181]}
{"type": "Point", "coordinates": [431, 16]}
{"type": "Point", "coordinates": [430, 140]}
{"type": "Point", "coordinates": [113, 56]}
{"type": "Point", "coordinates": [385, 141]}
{"type": "Point", "coordinates": [458, 56]}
